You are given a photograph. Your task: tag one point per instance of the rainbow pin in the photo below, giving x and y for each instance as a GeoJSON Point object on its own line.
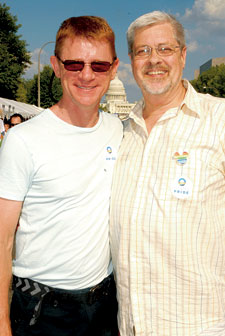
{"type": "Point", "coordinates": [181, 159]}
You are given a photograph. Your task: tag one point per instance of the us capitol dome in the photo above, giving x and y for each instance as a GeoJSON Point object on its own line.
{"type": "Point", "coordinates": [116, 99]}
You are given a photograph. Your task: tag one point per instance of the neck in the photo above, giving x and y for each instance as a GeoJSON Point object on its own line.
{"type": "Point", "coordinates": [157, 105]}
{"type": "Point", "coordinates": [76, 115]}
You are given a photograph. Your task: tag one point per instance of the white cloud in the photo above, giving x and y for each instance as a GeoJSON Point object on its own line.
{"type": "Point", "coordinates": [125, 74]}
{"type": "Point", "coordinates": [192, 46]}
{"type": "Point", "coordinates": [214, 9]}
{"type": "Point", "coordinates": [205, 25]}
{"type": "Point", "coordinates": [210, 9]}
{"type": "Point", "coordinates": [33, 68]}
{"type": "Point", "coordinates": [207, 13]}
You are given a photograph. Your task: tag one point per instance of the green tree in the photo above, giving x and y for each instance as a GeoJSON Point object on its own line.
{"type": "Point", "coordinates": [21, 94]}
{"type": "Point", "coordinates": [14, 58]}
{"type": "Point", "coordinates": [103, 108]}
{"type": "Point", "coordinates": [211, 81]}
{"type": "Point", "coordinates": [50, 88]}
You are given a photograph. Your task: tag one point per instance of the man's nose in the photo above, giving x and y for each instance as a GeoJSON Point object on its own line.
{"type": "Point", "coordinates": [87, 73]}
{"type": "Point", "coordinates": [153, 57]}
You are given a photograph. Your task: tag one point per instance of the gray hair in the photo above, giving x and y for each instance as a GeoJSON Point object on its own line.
{"type": "Point", "coordinates": [154, 18]}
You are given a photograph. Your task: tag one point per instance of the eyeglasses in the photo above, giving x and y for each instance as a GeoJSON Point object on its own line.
{"type": "Point", "coordinates": [162, 50]}
{"type": "Point", "coordinates": [71, 65]}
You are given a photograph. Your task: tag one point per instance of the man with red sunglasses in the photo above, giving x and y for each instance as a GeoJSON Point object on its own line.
{"type": "Point", "coordinates": [56, 181]}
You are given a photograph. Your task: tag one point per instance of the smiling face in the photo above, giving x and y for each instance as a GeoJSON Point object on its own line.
{"type": "Point", "coordinates": [85, 88]}
{"type": "Point", "coordinates": [158, 75]}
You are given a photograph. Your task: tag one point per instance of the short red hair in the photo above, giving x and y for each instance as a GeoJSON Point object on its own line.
{"type": "Point", "coordinates": [89, 27]}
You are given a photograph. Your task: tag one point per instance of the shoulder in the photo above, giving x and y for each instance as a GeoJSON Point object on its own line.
{"type": "Point", "coordinates": [204, 104]}
{"type": "Point", "coordinates": [29, 126]}
{"type": "Point", "coordinates": [212, 113]}
{"type": "Point", "coordinates": [211, 99]}
{"type": "Point", "coordinates": [213, 108]}
{"type": "Point", "coordinates": [111, 118]}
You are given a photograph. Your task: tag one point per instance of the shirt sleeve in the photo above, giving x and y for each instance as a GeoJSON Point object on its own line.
{"type": "Point", "coordinates": [16, 167]}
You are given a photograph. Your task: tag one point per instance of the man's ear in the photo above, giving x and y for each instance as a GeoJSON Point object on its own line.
{"type": "Point", "coordinates": [55, 66]}
{"type": "Point", "coordinates": [131, 57]}
{"type": "Point", "coordinates": [183, 56]}
{"type": "Point", "coordinates": [114, 68]}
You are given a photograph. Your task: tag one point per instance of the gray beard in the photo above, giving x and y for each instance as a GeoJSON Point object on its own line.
{"type": "Point", "coordinates": [156, 91]}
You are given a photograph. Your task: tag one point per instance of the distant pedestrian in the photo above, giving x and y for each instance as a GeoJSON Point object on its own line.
{"type": "Point", "coordinates": [16, 119]}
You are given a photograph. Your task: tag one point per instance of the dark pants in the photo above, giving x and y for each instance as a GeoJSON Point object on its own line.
{"type": "Point", "coordinates": [85, 312]}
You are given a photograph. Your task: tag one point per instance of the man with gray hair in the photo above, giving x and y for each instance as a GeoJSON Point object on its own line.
{"type": "Point", "coordinates": [167, 210]}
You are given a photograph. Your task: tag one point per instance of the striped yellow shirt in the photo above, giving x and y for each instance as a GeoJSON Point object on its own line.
{"type": "Point", "coordinates": [168, 221]}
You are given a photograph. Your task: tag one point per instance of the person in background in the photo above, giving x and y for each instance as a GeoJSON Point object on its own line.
{"type": "Point", "coordinates": [6, 125]}
{"type": "Point", "coordinates": [2, 128]}
{"type": "Point", "coordinates": [2, 131]}
{"type": "Point", "coordinates": [55, 177]}
{"type": "Point", "coordinates": [16, 119]}
{"type": "Point", "coordinates": [168, 196]}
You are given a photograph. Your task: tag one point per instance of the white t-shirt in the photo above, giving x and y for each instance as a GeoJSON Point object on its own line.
{"type": "Point", "coordinates": [63, 174]}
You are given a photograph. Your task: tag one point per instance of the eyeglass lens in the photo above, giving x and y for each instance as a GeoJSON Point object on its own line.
{"type": "Point", "coordinates": [79, 65]}
{"type": "Point", "coordinates": [162, 50]}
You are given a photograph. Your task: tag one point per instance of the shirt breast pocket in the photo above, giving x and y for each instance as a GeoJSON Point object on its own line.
{"type": "Point", "coordinates": [194, 178]}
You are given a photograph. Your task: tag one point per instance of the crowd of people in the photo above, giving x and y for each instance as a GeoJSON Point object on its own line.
{"type": "Point", "coordinates": [121, 224]}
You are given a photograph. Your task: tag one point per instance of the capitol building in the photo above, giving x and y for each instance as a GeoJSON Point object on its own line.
{"type": "Point", "coordinates": [116, 99]}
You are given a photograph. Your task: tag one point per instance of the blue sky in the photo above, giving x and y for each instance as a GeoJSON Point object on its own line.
{"type": "Point", "coordinates": [203, 20]}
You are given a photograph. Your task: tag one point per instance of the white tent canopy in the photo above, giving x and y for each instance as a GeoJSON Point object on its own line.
{"type": "Point", "coordinates": [9, 107]}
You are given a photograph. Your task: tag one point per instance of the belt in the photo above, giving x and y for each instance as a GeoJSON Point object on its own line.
{"type": "Point", "coordinates": [41, 291]}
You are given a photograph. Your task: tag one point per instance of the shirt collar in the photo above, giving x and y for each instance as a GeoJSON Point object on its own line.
{"type": "Point", "coordinates": [191, 100]}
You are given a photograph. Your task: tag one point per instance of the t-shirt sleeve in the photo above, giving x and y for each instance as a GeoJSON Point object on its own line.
{"type": "Point", "coordinates": [16, 168]}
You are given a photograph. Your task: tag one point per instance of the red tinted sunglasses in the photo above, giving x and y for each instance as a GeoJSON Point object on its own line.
{"type": "Point", "coordinates": [71, 65]}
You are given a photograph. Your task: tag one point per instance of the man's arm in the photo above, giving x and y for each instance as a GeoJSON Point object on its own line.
{"type": "Point", "coordinates": [9, 216]}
